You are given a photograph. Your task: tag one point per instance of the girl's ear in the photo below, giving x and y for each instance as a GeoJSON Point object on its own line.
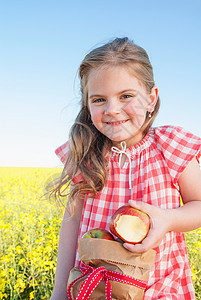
{"type": "Point", "coordinates": [153, 96]}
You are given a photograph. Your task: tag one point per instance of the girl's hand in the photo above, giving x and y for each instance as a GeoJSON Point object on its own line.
{"type": "Point", "coordinates": [159, 226]}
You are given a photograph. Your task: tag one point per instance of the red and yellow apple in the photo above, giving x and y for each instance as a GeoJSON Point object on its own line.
{"type": "Point", "coordinates": [130, 224]}
{"type": "Point", "coordinates": [99, 233]}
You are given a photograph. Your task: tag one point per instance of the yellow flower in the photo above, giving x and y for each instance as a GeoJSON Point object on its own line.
{"type": "Point", "coordinates": [194, 276]}
{"type": "Point", "coordinates": [19, 249]}
{"type": "Point", "coordinates": [198, 244]}
{"type": "Point", "coordinates": [20, 285]}
{"type": "Point", "coordinates": [11, 271]}
{"type": "Point", "coordinates": [31, 295]}
{"type": "Point", "coordinates": [22, 261]}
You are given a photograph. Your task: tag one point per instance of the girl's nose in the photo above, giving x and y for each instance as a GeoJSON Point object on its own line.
{"type": "Point", "coordinates": [112, 108]}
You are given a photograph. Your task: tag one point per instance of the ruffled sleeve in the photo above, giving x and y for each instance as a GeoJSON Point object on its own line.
{"type": "Point", "coordinates": [62, 152]}
{"type": "Point", "coordinates": [178, 147]}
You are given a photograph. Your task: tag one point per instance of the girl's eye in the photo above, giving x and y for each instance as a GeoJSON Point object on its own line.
{"type": "Point", "coordinates": [127, 96]}
{"type": "Point", "coordinates": [98, 100]}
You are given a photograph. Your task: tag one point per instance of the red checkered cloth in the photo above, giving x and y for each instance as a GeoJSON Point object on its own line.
{"type": "Point", "coordinates": [156, 164]}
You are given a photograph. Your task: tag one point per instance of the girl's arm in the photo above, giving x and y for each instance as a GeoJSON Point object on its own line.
{"type": "Point", "coordinates": [182, 219]}
{"type": "Point", "coordinates": [66, 251]}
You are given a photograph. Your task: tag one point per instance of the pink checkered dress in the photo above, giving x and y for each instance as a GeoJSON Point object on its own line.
{"type": "Point", "coordinates": [156, 164]}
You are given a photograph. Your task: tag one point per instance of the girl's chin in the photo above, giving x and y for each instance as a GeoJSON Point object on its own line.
{"type": "Point", "coordinates": [129, 141]}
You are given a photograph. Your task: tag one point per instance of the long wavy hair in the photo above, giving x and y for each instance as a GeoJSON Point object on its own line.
{"type": "Point", "coordinates": [88, 146]}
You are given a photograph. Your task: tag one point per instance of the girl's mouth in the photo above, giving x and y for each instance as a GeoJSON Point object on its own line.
{"type": "Point", "coordinates": [116, 123]}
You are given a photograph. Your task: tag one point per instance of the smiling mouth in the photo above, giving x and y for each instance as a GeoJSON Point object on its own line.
{"type": "Point", "coordinates": [116, 123]}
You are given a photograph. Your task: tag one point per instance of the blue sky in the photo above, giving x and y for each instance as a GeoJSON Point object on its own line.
{"type": "Point", "coordinates": [43, 43]}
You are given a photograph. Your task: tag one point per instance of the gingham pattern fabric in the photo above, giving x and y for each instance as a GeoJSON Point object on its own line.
{"type": "Point", "coordinates": [157, 162]}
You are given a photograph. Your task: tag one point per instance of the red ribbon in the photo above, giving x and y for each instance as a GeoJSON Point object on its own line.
{"type": "Point", "coordinates": [94, 278]}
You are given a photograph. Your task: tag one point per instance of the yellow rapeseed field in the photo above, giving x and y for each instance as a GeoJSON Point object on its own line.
{"type": "Point", "coordinates": [29, 230]}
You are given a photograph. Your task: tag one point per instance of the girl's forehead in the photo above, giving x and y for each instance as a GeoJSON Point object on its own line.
{"type": "Point", "coordinates": [113, 70]}
{"type": "Point", "coordinates": [112, 75]}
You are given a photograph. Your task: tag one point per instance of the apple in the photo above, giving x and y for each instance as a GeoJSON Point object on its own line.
{"type": "Point", "coordinates": [130, 224]}
{"type": "Point", "coordinates": [99, 233]}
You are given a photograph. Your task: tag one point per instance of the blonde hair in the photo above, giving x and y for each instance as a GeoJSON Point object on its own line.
{"type": "Point", "coordinates": [87, 145]}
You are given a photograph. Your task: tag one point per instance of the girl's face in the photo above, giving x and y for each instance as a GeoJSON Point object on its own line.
{"type": "Point", "coordinates": [118, 104]}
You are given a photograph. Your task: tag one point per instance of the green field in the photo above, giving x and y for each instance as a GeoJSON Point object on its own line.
{"type": "Point", "coordinates": [29, 229]}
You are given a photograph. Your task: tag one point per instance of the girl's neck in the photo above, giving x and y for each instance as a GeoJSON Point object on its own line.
{"type": "Point", "coordinates": [131, 142]}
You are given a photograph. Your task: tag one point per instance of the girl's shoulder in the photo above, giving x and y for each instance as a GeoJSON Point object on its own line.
{"type": "Point", "coordinates": [173, 136]}
{"type": "Point", "coordinates": [169, 132]}
{"type": "Point", "coordinates": [177, 146]}
{"type": "Point", "coordinates": [62, 152]}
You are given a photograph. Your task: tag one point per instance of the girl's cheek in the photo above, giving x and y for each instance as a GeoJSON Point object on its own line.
{"type": "Point", "coordinates": [95, 114]}
{"type": "Point", "coordinates": [137, 109]}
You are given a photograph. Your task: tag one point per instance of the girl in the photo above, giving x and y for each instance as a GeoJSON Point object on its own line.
{"type": "Point", "coordinates": [114, 157]}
